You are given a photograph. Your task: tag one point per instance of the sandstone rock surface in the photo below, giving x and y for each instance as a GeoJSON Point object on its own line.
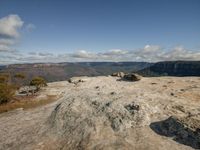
{"type": "Point", "coordinates": [118, 74]}
{"type": "Point", "coordinates": [107, 113]}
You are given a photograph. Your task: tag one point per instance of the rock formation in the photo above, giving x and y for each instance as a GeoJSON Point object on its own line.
{"type": "Point", "coordinates": [132, 77]}
{"type": "Point", "coordinates": [184, 130]}
{"type": "Point", "coordinates": [96, 113]}
{"type": "Point", "coordinates": [118, 74]}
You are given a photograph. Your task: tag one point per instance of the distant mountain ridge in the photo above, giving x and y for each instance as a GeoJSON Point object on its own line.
{"type": "Point", "coordinates": [63, 71]}
{"type": "Point", "coordinates": [173, 68]}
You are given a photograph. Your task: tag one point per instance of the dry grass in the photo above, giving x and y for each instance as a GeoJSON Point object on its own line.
{"type": "Point", "coordinates": [26, 103]}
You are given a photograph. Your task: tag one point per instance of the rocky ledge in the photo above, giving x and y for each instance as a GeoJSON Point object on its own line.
{"type": "Point", "coordinates": [109, 113]}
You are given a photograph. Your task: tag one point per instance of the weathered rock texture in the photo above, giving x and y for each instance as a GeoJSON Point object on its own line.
{"type": "Point", "coordinates": [185, 130]}
{"type": "Point", "coordinates": [107, 113]}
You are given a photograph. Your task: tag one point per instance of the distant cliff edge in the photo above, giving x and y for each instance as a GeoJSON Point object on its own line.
{"type": "Point", "coordinates": [173, 68]}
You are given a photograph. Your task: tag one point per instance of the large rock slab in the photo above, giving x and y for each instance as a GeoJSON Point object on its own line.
{"type": "Point", "coordinates": [107, 113]}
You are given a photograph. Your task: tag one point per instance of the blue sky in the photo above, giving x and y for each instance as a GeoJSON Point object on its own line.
{"type": "Point", "coordinates": [95, 28]}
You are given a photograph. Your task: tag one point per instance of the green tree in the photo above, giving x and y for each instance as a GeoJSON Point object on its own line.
{"type": "Point", "coordinates": [20, 76]}
{"type": "Point", "coordinates": [38, 82]}
{"type": "Point", "coordinates": [6, 93]}
{"type": "Point", "coordinates": [4, 78]}
{"type": "Point", "coordinates": [7, 90]}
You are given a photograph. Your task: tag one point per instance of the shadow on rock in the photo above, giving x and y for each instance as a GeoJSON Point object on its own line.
{"type": "Point", "coordinates": [182, 130]}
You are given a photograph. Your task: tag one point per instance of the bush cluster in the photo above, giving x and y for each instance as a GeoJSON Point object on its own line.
{"type": "Point", "coordinates": [7, 92]}
{"type": "Point", "coordinates": [7, 89]}
{"type": "Point", "coordinates": [38, 82]}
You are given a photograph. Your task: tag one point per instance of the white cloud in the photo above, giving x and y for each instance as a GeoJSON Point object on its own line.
{"type": "Point", "coordinates": [6, 42]}
{"type": "Point", "coordinates": [32, 53]}
{"type": "Point", "coordinates": [180, 53]}
{"type": "Point", "coordinates": [156, 53]}
{"type": "Point", "coordinates": [82, 54]}
{"type": "Point", "coordinates": [5, 48]}
{"type": "Point", "coordinates": [149, 53]}
{"type": "Point", "coordinates": [9, 32]}
{"type": "Point", "coordinates": [10, 25]}
{"type": "Point", "coordinates": [115, 52]}
{"type": "Point", "coordinates": [151, 48]}
{"type": "Point", "coordinates": [6, 45]}
{"type": "Point", "coordinates": [45, 54]}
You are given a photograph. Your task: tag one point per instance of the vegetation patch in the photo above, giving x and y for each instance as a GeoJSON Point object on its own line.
{"type": "Point", "coordinates": [26, 103]}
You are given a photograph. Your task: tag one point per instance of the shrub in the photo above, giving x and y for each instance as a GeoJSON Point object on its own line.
{"type": "Point", "coordinates": [38, 82]}
{"type": "Point", "coordinates": [6, 92]}
{"type": "Point", "coordinates": [4, 78]}
{"type": "Point", "coordinates": [19, 76]}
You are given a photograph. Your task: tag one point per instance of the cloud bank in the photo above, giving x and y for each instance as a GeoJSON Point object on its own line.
{"type": "Point", "coordinates": [149, 53]}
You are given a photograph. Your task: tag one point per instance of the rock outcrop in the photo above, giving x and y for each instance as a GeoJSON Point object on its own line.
{"type": "Point", "coordinates": [27, 90]}
{"type": "Point", "coordinates": [100, 113]}
{"type": "Point", "coordinates": [85, 121]}
{"type": "Point", "coordinates": [76, 80]}
{"type": "Point", "coordinates": [185, 130]}
{"type": "Point", "coordinates": [118, 74]}
{"type": "Point", "coordinates": [132, 77]}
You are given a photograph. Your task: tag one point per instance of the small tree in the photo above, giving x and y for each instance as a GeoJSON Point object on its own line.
{"type": "Point", "coordinates": [38, 82]}
{"type": "Point", "coordinates": [4, 78]}
{"type": "Point", "coordinates": [19, 76]}
{"type": "Point", "coordinates": [6, 93]}
{"type": "Point", "coordinates": [6, 90]}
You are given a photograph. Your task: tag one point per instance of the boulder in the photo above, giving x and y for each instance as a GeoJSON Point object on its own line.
{"type": "Point", "coordinates": [26, 90]}
{"type": "Point", "coordinates": [81, 119]}
{"type": "Point", "coordinates": [132, 77]}
{"type": "Point", "coordinates": [76, 80]}
{"type": "Point", "coordinates": [118, 74]}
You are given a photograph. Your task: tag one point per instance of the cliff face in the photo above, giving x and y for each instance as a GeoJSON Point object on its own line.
{"type": "Point", "coordinates": [173, 68]}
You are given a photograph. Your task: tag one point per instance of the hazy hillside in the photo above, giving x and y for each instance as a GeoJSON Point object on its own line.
{"type": "Point", "coordinates": [63, 71]}
{"type": "Point", "coordinates": [173, 68]}
{"type": "Point", "coordinates": [2, 67]}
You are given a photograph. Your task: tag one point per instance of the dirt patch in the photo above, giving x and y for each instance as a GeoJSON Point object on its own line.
{"type": "Point", "coordinates": [27, 103]}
